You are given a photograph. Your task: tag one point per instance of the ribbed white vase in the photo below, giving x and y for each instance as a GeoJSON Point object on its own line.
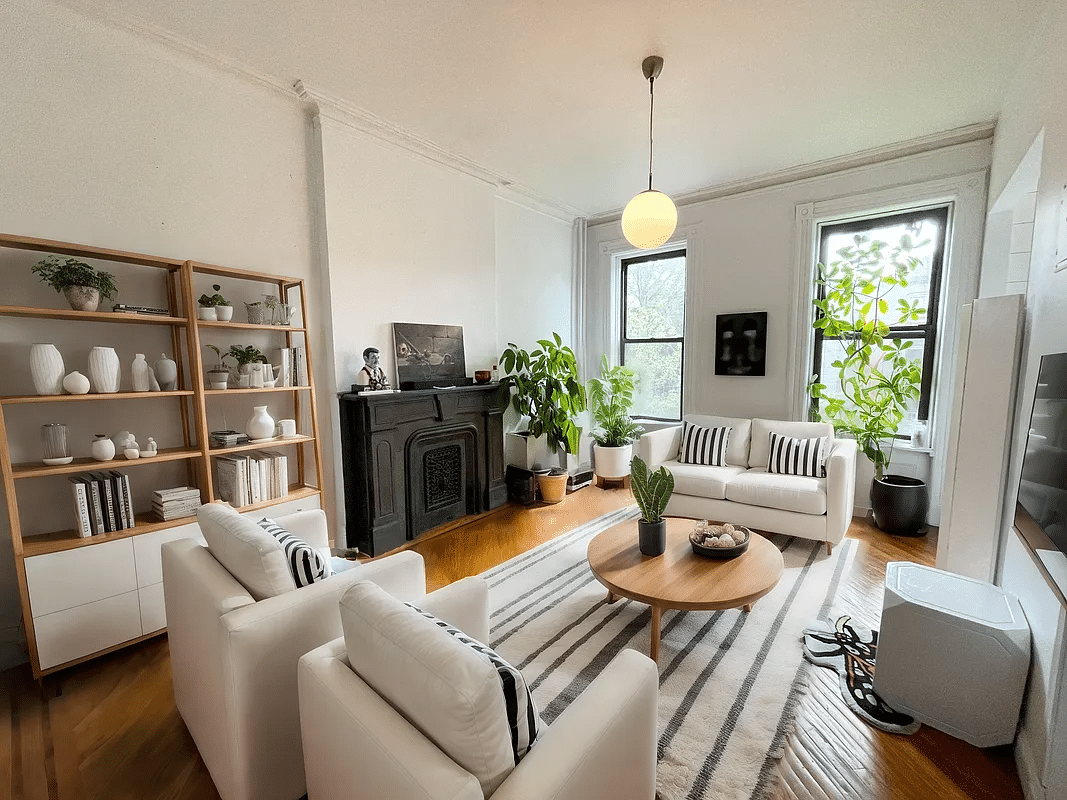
{"type": "Point", "coordinates": [260, 425]}
{"type": "Point", "coordinates": [104, 370]}
{"type": "Point", "coordinates": [142, 378]}
{"type": "Point", "coordinates": [46, 369]}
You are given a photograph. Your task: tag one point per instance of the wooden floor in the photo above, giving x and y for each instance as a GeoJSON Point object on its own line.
{"type": "Point", "coordinates": [109, 729]}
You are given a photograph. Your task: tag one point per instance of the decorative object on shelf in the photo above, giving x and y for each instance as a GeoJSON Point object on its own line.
{"type": "Point", "coordinates": [103, 449]}
{"type": "Point", "coordinates": [131, 449]}
{"type": "Point", "coordinates": [149, 449]}
{"type": "Point", "coordinates": [218, 376]}
{"type": "Point", "coordinates": [429, 355]}
{"type": "Point", "coordinates": [610, 399]}
{"type": "Point", "coordinates": [741, 344]}
{"type": "Point", "coordinates": [104, 370]}
{"type": "Point", "coordinates": [214, 306]}
{"type": "Point", "coordinates": [269, 376]}
{"type": "Point", "coordinates": [81, 284]}
{"type": "Point", "coordinates": [482, 376]}
{"type": "Point", "coordinates": [494, 374]}
{"type": "Point", "coordinates": [255, 312]}
{"type": "Point", "coordinates": [287, 428]}
{"type": "Point", "coordinates": [152, 382]}
{"type": "Point", "coordinates": [553, 484]}
{"type": "Point", "coordinates": [206, 313]}
{"type": "Point", "coordinates": [76, 383]}
{"type": "Point", "coordinates": [260, 425]}
{"type": "Point", "coordinates": [270, 303]}
{"type": "Point", "coordinates": [650, 217]}
{"type": "Point", "coordinates": [371, 376]}
{"type": "Point", "coordinates": [46, 369]}
{"type": "Point", "coordinates": [142, 379]}
{"type": "Point", "coordinates": [166, 372]}
{"type": "Point", "coordinates": [283, 314]}
{"type": "Point", "coordinates": [651, 490]}
{"type": "Point", "coordinates": [255, 375]}
{"type": "Point", "coordinates": [54, 444]}
{"type": "Point", "coordinates": [120, 440]}
{"type": "Point", "coordinates": [152, 311]}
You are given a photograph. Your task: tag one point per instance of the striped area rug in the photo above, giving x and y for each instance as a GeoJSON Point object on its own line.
{"type": "Point", "coordinates": [728, 680]}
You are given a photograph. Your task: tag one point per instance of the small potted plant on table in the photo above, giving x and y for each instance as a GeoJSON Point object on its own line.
{"type": "Point", "coordinates": [611, 398]}
{"type": "Point", "coordinates": [81, 284]}
{"type": "Point", "coordinates": [651, 490]}
{"type": "Point", "coordinates": [214, 306]}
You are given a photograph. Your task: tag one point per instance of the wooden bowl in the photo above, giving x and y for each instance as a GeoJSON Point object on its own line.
{"type": "Point", "coordinates": [723, 553]}
{"type": "Point", "coordinates": [482, 376]}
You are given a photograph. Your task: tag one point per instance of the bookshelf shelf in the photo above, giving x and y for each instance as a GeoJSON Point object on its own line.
{"type": "Point", "coordinates": [190, 412]}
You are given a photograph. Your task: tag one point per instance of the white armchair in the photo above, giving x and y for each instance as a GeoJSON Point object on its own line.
{"type": "Point", "coordinates": [357, 745]}
{"type": "Point", "coordinates": [234, 659]}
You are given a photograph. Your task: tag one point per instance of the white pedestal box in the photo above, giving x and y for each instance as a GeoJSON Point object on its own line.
{"type": "Point", "coordinates": [953, 652]}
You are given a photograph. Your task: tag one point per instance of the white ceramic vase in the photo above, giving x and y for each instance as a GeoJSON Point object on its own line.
{"type": "Point", "coordinates": [166, 372]}
{"type": "Point", "coordinates": [223, 313]}
{"type": "Point", "coordinates": [206, 313]}
{"type": "Point", "coordinates": [142, 377]}
{"type": "Point", "coordinates": [260, 425]}
{"type": "Point", "coordinates": [104, 369]}
{"type": "Point", "coordinates": [103, 449]}
{"type": "Point", "coordinates": [46, 369]}
{"type": "Point", "coordinates": [76, 383]}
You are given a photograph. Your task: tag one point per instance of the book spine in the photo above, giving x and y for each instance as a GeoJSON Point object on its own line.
{"type": "Point", "coordinates": [109, 503]}
{"type": "Point", "coordinates": [122, 522]}
{"type": "Point", "coordinates": [300, 365]}
{"type": "Point", "coordinates": [127, 498]}
{"type": "Point", "coordinates": [227, 472]}
{"type": "Point", "coordinates": [242, 482]}
{"type": "Point", "coordinates": [283, 476]}
{"type": "Point", "coordinates": [285, 367]}
{"type": "Point", "coordinates": [253, 480]}
{"type": "Point", "coordinates": [81, 508]}
{"type": "Point", "coordinates": [97, 503]}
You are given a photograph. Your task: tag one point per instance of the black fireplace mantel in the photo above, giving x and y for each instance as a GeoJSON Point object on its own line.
{"type": "Point", "coordinates": [413, 460]}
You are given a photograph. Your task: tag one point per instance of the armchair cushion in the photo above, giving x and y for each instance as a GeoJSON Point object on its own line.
{"type": "Point", "coordinates": [249, 553]}
{"type": "Point", "coordinates": [452, 693]}
{"type": "Point", "coordinates": [306, 564]}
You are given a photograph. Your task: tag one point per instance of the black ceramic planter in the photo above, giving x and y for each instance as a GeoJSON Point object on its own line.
{"type": "Point", "coordinates": [652, 537]}
{"type": "Point", "coordinates": [900, 504]}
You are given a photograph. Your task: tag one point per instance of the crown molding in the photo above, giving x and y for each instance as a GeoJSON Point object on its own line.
{"type": "Point", "coordinates": [365, 122]}
{"type": "Point", "coordinates": [865, 158]}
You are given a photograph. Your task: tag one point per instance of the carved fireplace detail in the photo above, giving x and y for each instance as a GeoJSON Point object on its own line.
{"type": "Point", "coordinates": [417, 459]}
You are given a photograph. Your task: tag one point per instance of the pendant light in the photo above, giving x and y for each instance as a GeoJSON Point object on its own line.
{"type": "Point", "coordinates": [650, 218]}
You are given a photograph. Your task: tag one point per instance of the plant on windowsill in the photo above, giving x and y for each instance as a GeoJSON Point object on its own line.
{"type": "Point", "coordinates": [82, 285]}
{"type": "Point", "coordinates": [651, 490]}
{"type": "Point", "coordinates": [877, 378]}
{"type": "Point", "coordinates": [546, 389]}
{"type": "Point", "coordinates": [611, 396]}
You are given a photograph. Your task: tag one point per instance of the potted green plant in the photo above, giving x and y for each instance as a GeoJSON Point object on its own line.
{"type": "Point", "coordinates": [553, 484]}
{"type": "Point", "coordinates": [245, 357]}
{"type": "Point", "coordinates": [651, 490]}
{"type": "Point", "coordinates": [876, 377]}
{"type": "Point", "coordinates": [82, 285]}
{"type": "Point", "coordinates": [611, 396]}
{"type": "Point", "coordinates": [214, 306]}
{"type": "Point", "coordinates": [546, 389]}
{"type": "Point", "coordinates": [219, 376]}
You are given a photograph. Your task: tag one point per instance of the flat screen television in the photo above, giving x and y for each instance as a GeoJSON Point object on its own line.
{"type": "Point", "coordinates": [1043, 485]}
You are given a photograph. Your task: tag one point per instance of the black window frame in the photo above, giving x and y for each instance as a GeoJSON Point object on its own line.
{"type": "Point", "coordinates": [928, 331]}
{"type": "Point", "coordinates": [625, 340]}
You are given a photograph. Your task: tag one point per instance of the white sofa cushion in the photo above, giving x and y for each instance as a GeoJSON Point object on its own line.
{"type": "Point", "coordinates": [451, 693]}
{"type": "Point", "coordinates": [760, 451]}
{"type": "Point", "coordinates": [249, 553]}
{"type": "Point", "coordinates": [738, 446]}
{"type": "Point", "coordinates": [701, 481]}
{"type": "Point", "coordinates": [757, 487]}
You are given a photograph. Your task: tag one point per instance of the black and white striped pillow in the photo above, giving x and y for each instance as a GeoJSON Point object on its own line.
{"type": "Point", "coordinates": [703, 445]}
{"type": "Point", "coordinates": [305, 562]}
{"type": "Point", "coordinates": [791, 456]}
{"type": "Point", "coordinates": [524, 720]}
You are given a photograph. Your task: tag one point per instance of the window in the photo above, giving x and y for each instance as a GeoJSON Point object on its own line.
{"type": "Point", "coordinates": [869, 246]}
{"type": "Point", "coordinates": [653, 327]}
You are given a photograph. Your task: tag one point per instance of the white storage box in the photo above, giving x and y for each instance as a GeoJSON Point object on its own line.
{"type": "Point", "coordinates": [953, 652]}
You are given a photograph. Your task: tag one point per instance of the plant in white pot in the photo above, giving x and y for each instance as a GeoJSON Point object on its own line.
{"type": "Point", "coordinates": [214, 306]}
{"type": "Point", "coordinates": [876, 376]}
{"type": "Point", "coordinates": [546, 389]}
{"type": "Point", "coordinates": [611, 396]}
{"type": "Point", "coordinates": [218, 376]}
{"type": "Point", "coordinates": [82, 285]}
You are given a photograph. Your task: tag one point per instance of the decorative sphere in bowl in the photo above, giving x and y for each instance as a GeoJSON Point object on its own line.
{"type": "Point", "coordinates": [719, 541]}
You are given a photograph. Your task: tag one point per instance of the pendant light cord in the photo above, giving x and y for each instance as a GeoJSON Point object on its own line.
{"type": "Point", "coordinates": [651, 105]}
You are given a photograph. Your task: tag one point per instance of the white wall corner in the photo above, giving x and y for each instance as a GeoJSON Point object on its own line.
{"type": "Point", "coordinates": [798, 364]}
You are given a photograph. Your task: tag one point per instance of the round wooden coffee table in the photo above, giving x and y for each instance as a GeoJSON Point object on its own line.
{"type": "Point", "coordinates": [679, 578]}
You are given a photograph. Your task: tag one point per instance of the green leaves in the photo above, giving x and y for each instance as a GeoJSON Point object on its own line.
{"type": "Point", "coordinates": [651, 490]}
{"type": "Point", "coordinates": [62, 273]}
{"type": "Point", "coordinates": [610, 399]}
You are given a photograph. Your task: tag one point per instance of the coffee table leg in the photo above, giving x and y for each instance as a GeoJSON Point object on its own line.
{"type": "Point", "coordinates": [653, 650]}
{"type": "Point", "coordinates": [612, 597]}
{"type": "Point", "coordinates": [747, 606]}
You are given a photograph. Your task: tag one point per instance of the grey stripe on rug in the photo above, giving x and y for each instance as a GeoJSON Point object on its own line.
{"type": "Point", "coordinates": [728, 680]}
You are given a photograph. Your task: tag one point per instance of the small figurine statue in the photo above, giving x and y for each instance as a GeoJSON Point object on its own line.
{"type": "Point", "coordinates": [130, 448]}
{"type": "Point", "coordinates": [372, 376]}
{"type": "Point", "coordinates": [150, 448]}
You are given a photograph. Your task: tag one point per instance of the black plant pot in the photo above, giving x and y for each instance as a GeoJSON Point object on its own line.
{"type": "Point", "coordinates": [652, 537]}
{"type": "Point", "coordinates": [900, 504]}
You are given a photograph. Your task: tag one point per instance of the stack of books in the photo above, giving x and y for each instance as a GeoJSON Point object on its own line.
{"type": "Point", "coordinates": [180, 501]}
{"type": "Point", "coordinates": [227, 438]}
{"type": "Point", "coordinates": [293, 366]}
{"type": "Point", "coordinates": [103, 502]}
{"type": "Point", "coordinates": [253, 477]}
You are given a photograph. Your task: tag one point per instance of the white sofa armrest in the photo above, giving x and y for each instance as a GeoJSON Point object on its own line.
{"type": "Point", "coordinates": [658, 446]}
{"type": "Point", "coordinates": [464, 604]}
{"type": "Point", "coordinates": [840, 489]}
{"type": "Point", "coordinates": [352, 739]}
{"type": "Point", "coordinates": [602, 746]}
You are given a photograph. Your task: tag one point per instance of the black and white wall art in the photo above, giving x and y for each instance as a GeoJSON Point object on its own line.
{"type": "Point", "coordinates": [741, 344]}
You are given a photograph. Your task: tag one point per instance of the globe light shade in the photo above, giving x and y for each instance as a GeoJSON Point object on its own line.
{"type": "Point", "coordinates": [649, 219]}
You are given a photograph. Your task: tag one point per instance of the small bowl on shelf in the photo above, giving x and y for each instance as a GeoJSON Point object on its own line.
{"type": "Point", "coordinates": [482, 376]}
{"type": "Point", "coordinates": [704, 540]}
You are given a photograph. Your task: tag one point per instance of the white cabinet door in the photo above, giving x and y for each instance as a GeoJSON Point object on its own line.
{"type": "Point", "coordinates": [146, 551]}
{"type": "Point", "coordinates": [153, 611]}
{"type": "Point", "coordinates": [57, 581]}
{"type": "Point", "coordinates": [76, 632]}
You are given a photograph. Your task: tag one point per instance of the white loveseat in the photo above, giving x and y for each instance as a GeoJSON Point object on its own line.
{"type": "Point", "coordinates": [237, 627]}
{"type": "Point", "coordinates": [744, 491]}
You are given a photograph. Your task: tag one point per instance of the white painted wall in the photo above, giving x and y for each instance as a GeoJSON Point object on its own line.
{"type": "Point", "coordinates": [742, 257]}
{"type": "Point", "coordinates": [1036, 102]}
{"type": "Point", "coordinates": [112, 140]}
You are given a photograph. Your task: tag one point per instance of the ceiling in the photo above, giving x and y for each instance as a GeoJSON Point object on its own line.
{"type": "Point", "coordinates": [549, 94]}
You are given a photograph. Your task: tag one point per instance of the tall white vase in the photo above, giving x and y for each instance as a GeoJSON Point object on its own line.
{"type": "Point", "coordinates": [260, 425]}
{"type": "Point", "coordinates": [142, 378]}
{"type": "Point", "coordinates": [104, 370]}
{"type": "Point", "coordinates": [46, 369]}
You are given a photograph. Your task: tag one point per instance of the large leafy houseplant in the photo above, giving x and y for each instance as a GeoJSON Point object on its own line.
{"type": "Point", "coordinates": [611, 396]}
{"type": "Point", "coordinates": [547, 390]}
{"type": "Point", "coordinates": [82, 284]}
{"type": "Point", "coordinates": [877, 377]}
